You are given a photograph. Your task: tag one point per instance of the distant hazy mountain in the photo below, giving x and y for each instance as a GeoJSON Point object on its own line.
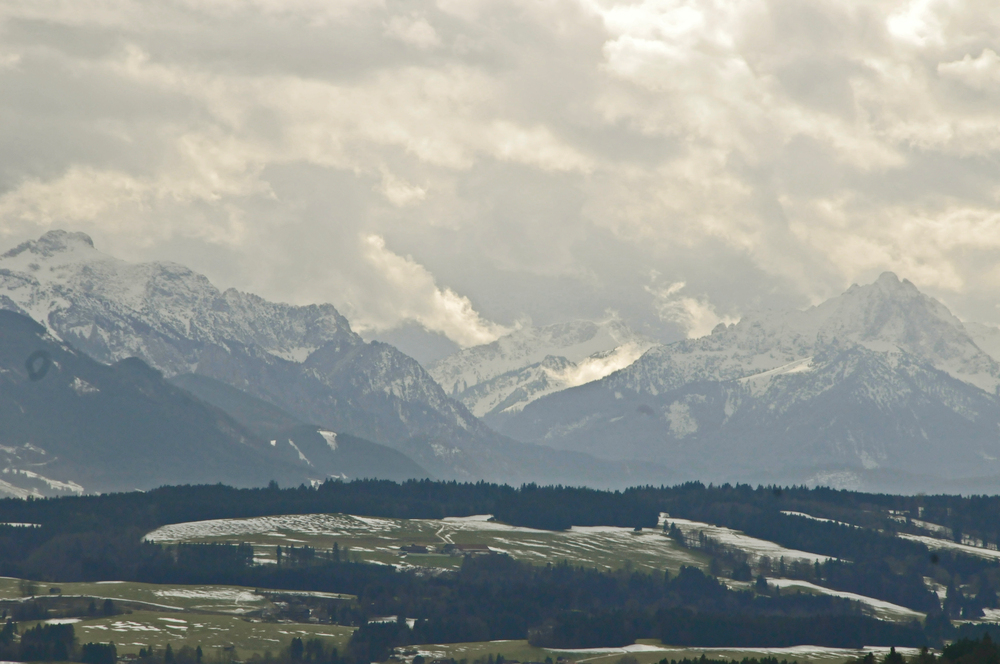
{"type": "Point", "coordinates": [325, 453]}
{"type": "Point", "coordinates": [881, 386]}
{"type": "Point", "coordinates": [73, 424]}
{"type": "Point", "coordinates": [503, 377]}
{"type": "Point", "coordinates": [305, 360]}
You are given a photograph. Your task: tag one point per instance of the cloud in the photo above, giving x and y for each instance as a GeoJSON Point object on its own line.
{"type": "Point", "coordinates": [695, 315]}
{"type": "Point", "coordinates": [399, 192]}
{"type": "Point", "coordinates": [413, 294]}
{"type": "Point", "coordinates": [415, 31]}
{"type": "Point", "coordinates": [598, 366]}
{"type": "Point", "coordinates": [982, 72]}
{"type": "Point", "coordinates": [539, 157]}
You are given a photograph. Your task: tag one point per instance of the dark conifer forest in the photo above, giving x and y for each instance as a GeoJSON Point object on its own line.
{"type": "Point", "coordinates": [93, 538]}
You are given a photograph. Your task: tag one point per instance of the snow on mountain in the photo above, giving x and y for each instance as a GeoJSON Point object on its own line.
{"type": "Point", "coordinates": [162, 312]}
{"type": "Point", "coordinates": [889, 316]}
{"type": "Point", "coordinates": [881, 380]}
{"type": "Point", "coordinates": [525, 365]}
{"type": "Point", "coordinates": [305, 360]}
{"type": "Point", "coordinates": [987, 338]}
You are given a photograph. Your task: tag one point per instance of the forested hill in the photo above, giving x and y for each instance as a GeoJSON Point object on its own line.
{"type": "Point", "coordinates": [93, 538]}
{"type": "Point", "coordinates": [771, 511]}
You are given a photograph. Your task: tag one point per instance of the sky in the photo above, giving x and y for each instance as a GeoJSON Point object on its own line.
{"type": "Point", "coordinates": [467, 166]}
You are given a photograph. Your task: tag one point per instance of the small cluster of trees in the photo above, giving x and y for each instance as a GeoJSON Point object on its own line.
{"type": "Point", "coordinates": [49, 643]}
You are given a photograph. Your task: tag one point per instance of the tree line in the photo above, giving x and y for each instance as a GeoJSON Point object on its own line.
{"type": "Point", "coordinates": [92, 538]}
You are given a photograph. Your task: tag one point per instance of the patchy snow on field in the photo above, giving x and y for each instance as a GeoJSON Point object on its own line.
{"type": "Point", "coordinates": [938, 530]}
{"type": "Point", "coordinates": [756, 548]}
{"type": "Point", "coordinates": [817, 518]}
{"type": "Point", "coordinates": [124, 626]}
{"type": "Point", "coordinates": [233, 595]}
{"type": "Point", "coordinates": [306, 524]}
{"type": "Point", "coordinates": [479, 522]}
{"type": "Point", "coordinates": [798, 652]}
{"type": "Point", "coordinates": [935, 543]}
{"type": "Point", "coordinates": [880, 607]}
{"type": "Point", "coordinates": [306, 593]}
{"type": "Point", "coordinates": [378, 540]}
{"type": "Point", "coordinates": [62, 621]}
{"type": "Point", "coordinates": [410, 622]}
{"type": "Point", "coordinates": [938, 589]}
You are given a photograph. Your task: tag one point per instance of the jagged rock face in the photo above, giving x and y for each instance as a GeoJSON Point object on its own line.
{"type": "Point", "coordinates": [881, 380]}
{"type": "Point", "coordinates": [504, 376]}
{"type": "Point", "coordinates": [305, 360]}
{"type": "Point", "coordinates": [161, 312]}
{"type": "Point", "coordinates": [72, 424]}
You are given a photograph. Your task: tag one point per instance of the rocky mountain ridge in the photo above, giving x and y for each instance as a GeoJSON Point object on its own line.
{"type": "Point", "coordinates": [69, 424]}
{"type": "Point", "coordinates": [881, 381]}
{"type": "Point", "coordinates": [504, 376]}
{"type": "Point", "coordinates": [305, 360]}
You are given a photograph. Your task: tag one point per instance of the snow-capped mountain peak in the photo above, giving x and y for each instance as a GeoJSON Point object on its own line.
{"type": "Point", "coordinates": [889, 315]}
{"type": "Point", "coordinates": [506, 375]}
{"type": "Point", "coordinates": [881, 379]}
{"type": "Point", "coordinates": [162, 312]}
{"type": "Point", "coordinates": [62, 246]}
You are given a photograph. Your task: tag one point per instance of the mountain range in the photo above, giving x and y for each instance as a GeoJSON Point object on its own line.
{"type": "Point", "coordinates": [881, 387]}
{"type": "Point", "coordinates": [502, 377]}
{"type": "Point", "coordinates": [878, 388]}
{"type": "Point", "coordinates": [304, 361]}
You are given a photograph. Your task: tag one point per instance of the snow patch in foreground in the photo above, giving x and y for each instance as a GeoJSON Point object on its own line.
{"type": "Point", "coordinates": [803, 652]}
{"type": "Point", "coordinates": [879, 604]}
{"type": "Point", "coordinates": [817, 518]}
{"type": "Point", "coordinates": [224, 594]}
{"type": "Point", "coordinates": [754, 547]}
{"type": "Point", "coordinates": [935, 543]}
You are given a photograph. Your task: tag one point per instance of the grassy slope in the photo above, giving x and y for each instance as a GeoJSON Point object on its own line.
{"type": "Point", "coordinates": [378, 540]}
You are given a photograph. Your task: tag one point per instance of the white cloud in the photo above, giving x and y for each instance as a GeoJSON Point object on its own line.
{"type": "Point", "coordinates": [119, 203]}
{"type": "Point", "coordinates": [415, 31]}
{"type": "Point", "coordinates": [400, 192]}
{"type": "Point", "coordinates": [411, 293]}
{"type": "Point", "coordinates": [597, 367]}
{"type": "Point", "coordinates": [540, 157]}
{"type": "Point", "coordinates": [981, 73]}
{"type": "Point", "coordinates": [695, 315]}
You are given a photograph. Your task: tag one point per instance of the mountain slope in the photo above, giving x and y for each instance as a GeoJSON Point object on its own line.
{"type": "Point", "coordinates": [504, 376]}
{"type": "Point", "coordinates": [880, 381]}
{"type": "Point", "coordinates": [73, 424]}
{"type": "Point", "coordinates": [304, 360]}
{"type": "Point", "coordinates": [326, 452]}
{"type": "Point", "coordinates": [174, 319]}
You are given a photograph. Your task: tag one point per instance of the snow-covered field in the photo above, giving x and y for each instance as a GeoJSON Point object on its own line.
{"type": "Point", "coordinates": [756, 548]}
{"type": "Point", "coordinates": [214, 632]}
{"type": "Point", "coordinates": [234, 595]}
{"type": "Point", "coordinates": [792, 653]}
{"type": "Point", "coordinates": [342, 525]}
{"type": "Point", "coordinates": [380, 539]}
{"type": "Point", "coordinates": [797, 652]}
{"type": "Point", "coordinates": [880, 608]}
{"type": "Point", "coordinates": [646, 652]}
{"type": "Point", "coordinates": [814, 518]}
{"type": "Point", "coordinates": [935, 543]}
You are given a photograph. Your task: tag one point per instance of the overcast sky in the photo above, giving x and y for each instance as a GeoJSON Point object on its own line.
{"type": "Point", "coordinates": [466, 164]}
